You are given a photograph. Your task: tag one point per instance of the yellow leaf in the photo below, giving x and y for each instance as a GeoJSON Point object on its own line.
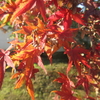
{"type": "Point", "coordinates": [5, 20]}
{"type": "Point", "coordinates": [20, 56]}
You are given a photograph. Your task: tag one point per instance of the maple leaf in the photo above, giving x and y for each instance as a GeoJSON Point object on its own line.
{"type": "Point", "coordinates": [25, 50]}
{"type": "Point", "coordinates": [67, 16]}
{"type": "Point", "coordinates": [20, 81]}
{"type": "Point", "coordinates": [26, 30]}
{"type": "Point", "coordinates": [56, 41]}
{"type": "Point", "coordinates": [27, 5]}
{"type": "Point", "coordinates": [23, 79]}
{"type": "Point", "coordinates": [26, 71]}
{"type": "Point", "coordinates": [30, 89]}
{"type": "Point", "coordinates": [31, 29]}
{"type": "Point", "coordinates": [4, 59]}
{"type": "Point", "coordinates": [75, 57]}
{"type": "Point", "coordinates": [1, 68]}
{"type": "Point", "coordinates": [15, 75]}
{"type": "Point", "coordinates": [68, 34]}
{"type": "Point", "coordinates": [78, 19]}
{"type": "Point", "coordinates": [40, 5]}
{"type": "Point", "coordinates": [37, 59]}
{"type": "Point", "coordinates": [67, 21]}
{"type": "Point", "coordinates": [51, 49]}
{"type": "Point", "coordinates": [22, 8]}
{"type": "Point", "coordinates": [56, 16]}
{"type": "Point", "coordinates": [82, 80]}
{"type": "Point", "coordinates": [5, 19]}
{"type": "Point", "coordinates": [66, 92]}
{"type": "Point", "coordinates": [64, 79]}
{"type": "Point", "coordinates": [6, 11]}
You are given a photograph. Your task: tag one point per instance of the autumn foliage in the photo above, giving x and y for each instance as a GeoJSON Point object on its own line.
{"type": "Point", "coordinates": [46, 26]}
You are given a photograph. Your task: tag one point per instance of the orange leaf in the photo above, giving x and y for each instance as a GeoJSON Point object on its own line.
{"type": "Point", "coordinates": [25, 30]}
{"type": "Point", "coordinates": [50, 50]}
{"type": "Point", "coordinates": [17, 2]}
{"type": "Point", "coordinates": [22, 8]}
{"type": "Point", "coordinates": [20, 31]}
{"type": "Point", "coordinates": [40, 24]}
{"type": "Point", "coordinates": [15, 75]}
{"type": "Point", "coordinates": [20, 81]}
{"type": "Point", "coordinates": [30, 89]}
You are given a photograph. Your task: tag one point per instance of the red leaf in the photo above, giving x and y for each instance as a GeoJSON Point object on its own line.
{"type": "Point", "coordinates": [4, 59]}
{"type": "Point", "coordinates": [64, 79]}
{"type": "Point", "coordinates": [67, 21]}
{"type": "Point", "coordinates": [82, 80]}
{"type": "Point", "coordinates": [86, 63]}
{"type": "Point", "coordinates": [57, 15]}
{"type": "Point", "coordinates": [78, 19]}
{"type": "Point", "coordinates": [33, 72]}
{"type": "Point", "coordinates": [41, 7]}
{"type": "Point", "coordinates": [75, 55]}
{"type": "Point", "coordinates": [86, 86]}
{"type": "Point", "coordinates": [68, 34]}
{"type": "Point", "coordinates": [1, 71]}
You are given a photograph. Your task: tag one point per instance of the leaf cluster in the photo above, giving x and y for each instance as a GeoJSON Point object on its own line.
{"type": "Point", "coordinates": [46, 26]}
